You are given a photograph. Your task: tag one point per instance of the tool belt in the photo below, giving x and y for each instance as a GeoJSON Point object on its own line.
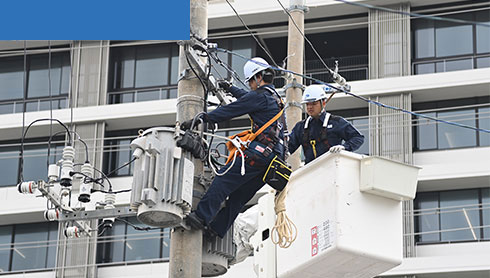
{"type": "Point", "coordinates": [277, 174]}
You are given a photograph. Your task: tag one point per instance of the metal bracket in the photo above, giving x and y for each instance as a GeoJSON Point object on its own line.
{"type": "Point", "coordinates": [185, 74]}
{"type": "Point", "coordinates": [44, 188]}
{"type": "Point", "coordinates": [293, 84]}
{"type": "Point", "coordinates": [98, 214]}
{"type": "Point", "coordinates": [202, 72]}
{"type": "Point", "coordinates": [302, 8]}
{"type": "Point", "coordinates": [293, 104]}
{"type": "Point", "coordinates": [84, 227]}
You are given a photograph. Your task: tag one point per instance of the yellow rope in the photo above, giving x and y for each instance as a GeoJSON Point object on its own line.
{"type": "Point", "coordinates": [284, 232]}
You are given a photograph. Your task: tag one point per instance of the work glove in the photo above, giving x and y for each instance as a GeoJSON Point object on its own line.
{"type": "Point", "coordinates": [187, 124]}
{"type": "Point", "coordinates": [225, 85]}
{"type": "Point", "coordinates": [336, 148]}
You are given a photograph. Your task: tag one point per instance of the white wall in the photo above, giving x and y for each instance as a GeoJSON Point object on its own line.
{"type": "Point", "coordinates": [450, 169]}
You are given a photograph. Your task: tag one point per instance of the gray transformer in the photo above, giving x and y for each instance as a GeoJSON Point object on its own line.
{"type": "Point", "coordinates": [162, 179]}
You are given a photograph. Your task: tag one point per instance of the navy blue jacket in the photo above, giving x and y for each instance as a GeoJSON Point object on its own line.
{"type": "Point", "coordinates": [260, 105]}
{"type": "Point", "coordinates": [338, 132]}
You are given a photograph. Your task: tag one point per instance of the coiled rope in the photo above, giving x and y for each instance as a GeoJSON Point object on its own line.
{"type": "Point", "coordinates": [284, 232]}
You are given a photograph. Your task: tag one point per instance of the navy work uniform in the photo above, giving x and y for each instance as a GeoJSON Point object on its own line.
{"type": "Point", "coordinates": [261, 105]}
{"type": "Point", "coordinates": [316, 136]}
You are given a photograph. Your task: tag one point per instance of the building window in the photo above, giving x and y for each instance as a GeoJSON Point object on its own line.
{"type": "Point", "coordinates": [359, 119]}
{"type": "Point", "coordinates": [362, 124]}
{"type": "Point", "coordinates": [432, 135]}
{"type": "Point", "coordinates": [37, 92]}
{"type": "Point", "coordinates": [434, 49]}
{"type": "Point", "coordinates": [143, 73]}
{"type": "Point", "coordinates": [35, 159]}
{"type": "Point", "coordinates": [117, 152]}
{"type": "Point", "coordinates": [123, 243]}
{"type": "Point", "coordinates": [28, 246]}
{"type": "Point", "coordinates": [348, 47]}
{"type": "Point", "coordinates": [452, 216]}
{"type": "Point", "coordinates": [352, 68]}
{"type": "Point", "coordinates": [242, 46]}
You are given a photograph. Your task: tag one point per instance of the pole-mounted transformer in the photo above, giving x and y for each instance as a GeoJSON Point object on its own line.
{"type": "Point", "coordinates": [162, 179]}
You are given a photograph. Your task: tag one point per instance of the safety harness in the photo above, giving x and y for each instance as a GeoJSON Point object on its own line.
{"type": "Point", "coordinates": [308, 140]}
{"type": "Point", "coordinates": [272, 137]}
{"type": "Point", "coordinates": [269, 139]}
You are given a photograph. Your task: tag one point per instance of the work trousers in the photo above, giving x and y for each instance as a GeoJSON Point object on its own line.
{"type": "Point", "coordinates": [239, 190]}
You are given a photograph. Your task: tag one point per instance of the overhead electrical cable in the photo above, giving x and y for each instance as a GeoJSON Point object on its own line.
{"type": "Point", "coordinates": [363, 98]}
{"type": "Point", "coordinates": [438, 18]}
{"type": "Point", "coordinates": [251, 33]}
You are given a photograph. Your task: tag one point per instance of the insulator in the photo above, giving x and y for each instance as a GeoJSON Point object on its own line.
{"type": "Point", "coordinates": [72, 232]}
{"type": "Point", "coordinates": [110, 200]}
{"type": "Point", "coordinates": [84, 195]}
{"type": "Point", "coordinates": [67, 166]}
{"type": "Point", "coordinates": [52, 214]}
{"type": "Point", "coordinates": [86, 187]}
{"type": "Point", "coordinates": [53, 172]}
{"type": "Point", "coordinates": [65, 196]}
{"type": "Point", "coordinates": [108, 222]}
{"type": "Point", "coordinates": [27, 187]}
{"type": "Point", "coordinates": [339, 79]}
{"type": "Point", "coordinates": [138, 152]}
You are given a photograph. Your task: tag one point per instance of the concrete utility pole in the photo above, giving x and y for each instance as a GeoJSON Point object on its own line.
{"type": "Point", "coordinates": [294, 92]}
{"type": "Point", "coordinates": [186, 245]}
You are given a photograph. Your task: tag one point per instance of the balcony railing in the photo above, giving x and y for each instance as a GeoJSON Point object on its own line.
{"type": "Point", "coordinates": [137, 95]}
{"type": "Point", "coordinates": [463, 224]}
{"type": "Point", "coordinates": [451, 64]}
{"type": "Point", "coordinates": [352, 68]}
{"type": "Point", "coordinates": [17, 106]}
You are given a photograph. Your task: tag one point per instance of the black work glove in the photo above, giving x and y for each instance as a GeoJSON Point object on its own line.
{"type": "Point", "coordinates": [225, 85]}
{"type": "Point", "coordinates": [187, 124]}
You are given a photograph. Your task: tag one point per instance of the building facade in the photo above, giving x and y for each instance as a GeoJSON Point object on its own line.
{"type": "Point", "coordinates": [109, 90]}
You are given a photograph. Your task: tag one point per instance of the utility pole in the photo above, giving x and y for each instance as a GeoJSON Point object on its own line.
{"type": "Point", "coordinates": [294, 90]}
{"type": "Point", "coordinates": [186, 245]}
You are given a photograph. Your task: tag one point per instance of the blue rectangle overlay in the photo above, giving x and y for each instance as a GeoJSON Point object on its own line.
{"type": "Point", "coordinates": [95, 20]}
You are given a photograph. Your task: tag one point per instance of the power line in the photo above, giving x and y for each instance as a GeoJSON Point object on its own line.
{"type": "Point", "coordinates": [363, 98]}
{"type": "Point", "coordinates": [454, 20]}
{"type": "Point", "coordinates": [126, 146]}
{"type": "Point", "coordinates": [251, 33]}
{"type": "Point", "coordinates": [304, 37]}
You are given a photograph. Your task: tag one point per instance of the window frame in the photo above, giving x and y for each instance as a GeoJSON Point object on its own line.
{"type": "Point", "coordinates": [474, 56]}
{"type": "Point", "coordinates": [114, 91]}
{"type": "Point", "coordinates": [41, 142]}
{"type": "Point", "coordinates": [25, 99]}
{"type": "Point", "coordinates": [51, 226]}
{"type": "Point", "coordinates": [474, 104]}
{"type": "Point", "coordinates": [105, 249]}
{"type": "Point", "coordinates": [480, 231]}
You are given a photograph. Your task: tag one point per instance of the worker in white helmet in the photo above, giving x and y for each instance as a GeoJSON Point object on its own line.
{"type": "Point", "coordinates": [321, 132]}
{"type": "Point", "coordinates": [262, 104]}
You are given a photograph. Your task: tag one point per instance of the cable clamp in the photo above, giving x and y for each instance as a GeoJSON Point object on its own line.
{"type": "Point", "coordinates": [293, 104]}
{"type": "Point", "coordinates": [302, 8]}
{"type": "Point", "coordinates": [294, 84]}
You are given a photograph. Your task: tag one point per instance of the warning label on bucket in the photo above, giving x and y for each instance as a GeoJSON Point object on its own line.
{"type": "Point", "coordinates": [321, 237]}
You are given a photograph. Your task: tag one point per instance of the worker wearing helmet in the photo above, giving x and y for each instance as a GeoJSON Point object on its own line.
{"type": "Point", "coordinates": [321, 132]}
{"type": "Point", "coordinates": [262, 103]}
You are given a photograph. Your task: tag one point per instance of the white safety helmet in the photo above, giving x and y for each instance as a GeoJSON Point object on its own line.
{"type": "Point", "coordinates": [313, 93]}
{"type": "Point", "coordinates": [254, 66]}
